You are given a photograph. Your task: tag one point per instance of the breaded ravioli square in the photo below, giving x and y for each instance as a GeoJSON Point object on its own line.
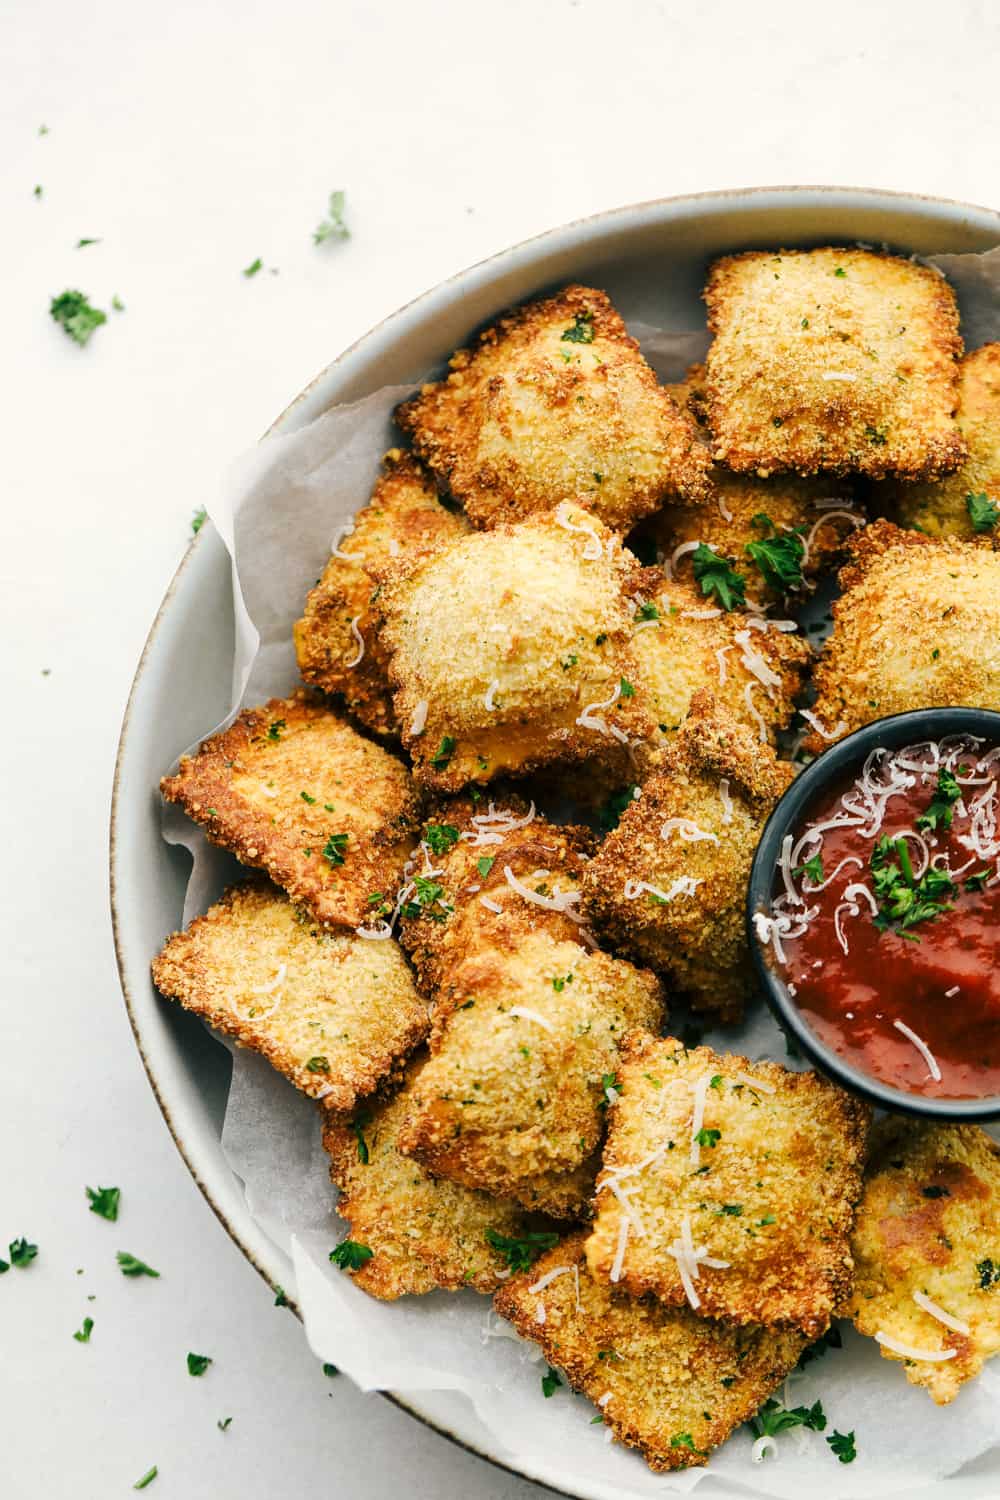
{"type": "Point", "coordinates": [423, 1232]}
{"type": "Point", "coordinates": [512, 1098]}
{"type": "Point", "coordinates": [668, 1383]}
{"type": "Point", "coordinates": [926, 1250]}
{"type": "Point", "coordinates": [331, 1011]}
{"type": "Point", "coordinates": [511, 649]}
{"type": "Point", "coordinates": [729, 1185]}
{"type": "Point", "coordinates": [291, 788]}
{"type": "Point", "coordinates": [837, 360]}
{"type": "Point", "coordinates": [336, 644]}
{"type": "Point", "coordinates": [668, 885]}
{"type": "Point", "coordinates": [966, 503]}
{"type": "Point", "coordinates": [916, 626]}
{"type": "Point", "coordinates": [555, 402]}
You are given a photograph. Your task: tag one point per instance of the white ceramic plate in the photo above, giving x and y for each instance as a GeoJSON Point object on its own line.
{"type": "Point", "coordinates": [651, 259]}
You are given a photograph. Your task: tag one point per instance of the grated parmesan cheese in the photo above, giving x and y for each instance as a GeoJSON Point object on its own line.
{"type": "Point", "coordinates": [922, 1300]}
{"type": "Point", "coordinates": [922, 1048]}
{"type": "Point", "coordinates": [527, 1014]}
{"type": "Point", "coordinates": [909, 1351]}
{"type": "Point", "coordinates": [356, 661]}
{"type": "Point", "coordinates": [419, 721]}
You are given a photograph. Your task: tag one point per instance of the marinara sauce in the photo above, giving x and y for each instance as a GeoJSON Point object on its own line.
{"type": "Point", "coordinates": [885, 919]}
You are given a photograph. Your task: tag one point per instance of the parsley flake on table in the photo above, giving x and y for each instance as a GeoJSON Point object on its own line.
{"type": "Point", "coordinates": [197, 522]}
{"type": "Point", "coordinates": [550, 1383]}
{"type": "Point", "coordinates": [350, 1256]}
{"type": "Point", "coordinates": [147, 1478]}
{"type": "Point", "coordinates": [223, 1424]}
{"type": "Point", "coordinates": [440, 837]}
{"type": "Point", "coordinates": [983, 512]}
{"type": "Point", "coordinates": [82, 244]}
{"type": "Point", "coordinates": [334, 226]}
{"type": "Point", "coordinates": [132, 1266]}
{"type": "Point", "coordinates": [37, 190]}
{"type": "Point", "coordinates": [842, 1444]}
{"type": "Point", "coordinates": [76, 316]}
{"type": "Point", "coordinates": [521, 1251]}
{"type": "Point", "coordinates": [104, 1201]}
{"type": "Point", "coordinates": [22, 1252]}
{"type": "Point", "coordinates": [198, 1363]}
{"type": "Point", "coordinates": [117, 303]}
{"type": "Point", "coordinates": [330, 1371]}
{"type": "Point", "coordinates": [719, 580]}
{"type": "Point", "coordinates": [280, 1300]}
{"type": "Point", "coordinates": [812, 867]}
{"type": "Point", "coordinates": [253, 268]}
{"type": "Point", "coordinates": [82, 1335]}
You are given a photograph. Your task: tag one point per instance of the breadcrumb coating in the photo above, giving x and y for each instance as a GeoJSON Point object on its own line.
{"type": "Point", "coordinates": [760, 1167]}
{"type": "Point", "coordinates": [942, 508]}
{"type": "Point", "coordinates": [916, 626]}
{"type": "Point", "coordinates": [668, 1383]}
{"type": "Point", "coordinates": [691, 835]}
{"type": "Point", "coordinates": [837, 360]}
{"type": "Point", "coordinates": [928, 1224]}
{"type": "Point", "coordinates": [424, 1232]}
{"type": "Point", "coordinates": [555, 402]}
{"type": "Point", "coordinates": [330, 1011]}
{"type": "Point", "coordinates": [404, 518]}
{"type": "Point", "coordinates": [291, 788]}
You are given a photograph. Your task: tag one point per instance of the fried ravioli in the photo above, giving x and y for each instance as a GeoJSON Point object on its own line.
{"type": "Point", "coordinates": [668, 885]}
{"type": "Point", "coordinates": [424, 1232]}
{"type": "Point", "coordinates": [668, 1383]}
{"type": "Point", "coordinates": [512, 1099]}
{"type": "Point", "coordinates": [555, 402]}
{"type": "Point", "coordinates": [336, 644]}
{"type": "Point", "coordinates": [291, 788]}
{"type": "Point", "coordinates": [945, 508]}
{"type": "Point", "coordinates": [916, 626]}
{"type": "Point", "coordinates": [928, 1227]}
{"type": "Point", "coordinates": [511, 649]}
{"type": "Point", "coordinates": [729, 1185]}
{"type": "Point", "coordinates": [683, 641]}
{"type": "Point", "coordinates": [330, 1011]}
{"type": "Point", "coordinates": [832, 360]}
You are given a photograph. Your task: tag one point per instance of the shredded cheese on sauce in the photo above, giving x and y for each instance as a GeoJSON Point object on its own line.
{"type": "Point", "coordinates": [922, 1048]}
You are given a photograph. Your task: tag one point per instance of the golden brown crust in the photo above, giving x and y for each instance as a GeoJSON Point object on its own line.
{"type": "Point", "coordinates": [771, 1190]}
{"type": "Point", "coordinates": [941, 509]}
{"type": "Point", "coordinates": [914, 627]}
{"type": "Point", "coordinates": [404, 518]}
{"type": "Point", "coordinates": [672, 1385]}
{"type": "Point", "coordinates": [330, 1011]}
{"type": "Point", "coordinates": [499, 642]}
{"type": "Point", "coordinates": [512, 1100]}
{"type": "Point", "coordinates": [424, 1232]}
{"type": "Point", "coordinates": [833, 359]}
{"type": "Point", "coordinates": [698, 936]}
{"type": "Point", "coordinates": [929, 1222]}
{"type": "Point", "coordinates": [283, 784]}
{"type": "Point", "coordinates": [556, 402]}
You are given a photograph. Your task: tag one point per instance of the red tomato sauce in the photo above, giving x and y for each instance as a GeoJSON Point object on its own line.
{"type": "Point", "coordinates": [900, 934]}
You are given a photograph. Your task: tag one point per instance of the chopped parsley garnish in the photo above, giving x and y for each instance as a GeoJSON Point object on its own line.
{"type": "Point", "coordinates": [335, 848]}
{"type": "Point", "coordinates": [989, 1274]}
{"type": "Point", "coordinates": [715, 1082]}
{"type": "Point", "coordinates": [521, 1251]}
{"type": "Point", "coordinates": [82, 244]}
{"type": "Point", "coordinates": [75, 314]}
{"type": "Point", "coordinates": [485, 864]}
{"type": "Point", "coordinates": [198, 1363]}
{"type": "Point", "coordinates": [306, 798]}
{"type": "Point", "coordinates": [840, 271]}
{"type": "Point", "coordinates": [105, 1202]}
{"type": "Point", "coordinates": [942, 805]}
{"type": "Point", "coordinates": [731, 1210]}
{"type": "Point", "coordinates": [4, 1266]}
{"type": "Point", "coordinates": [440, 837]}
{"type": "Point", "coordinates": [198, 520]}
{"type": "Point", "coordinates": [610, 811]}
{"type": "Point", "coordinates": [830, 1340]}
{"type": "Point", "coordinates": [707, 1137]}
{"type": "Point", "coordinates": [983, 512]}
{"type": "Point", "coordinates": [318, 1065]}
{"type": "Point", "coordinates": [609, 1081]}
{"type": "Point", "coordinates": [779, 557]}
{"type": "Point", "coordinates": [647, 611]}
{"type": "Point", "coordinates": [903, 900]}
{"type": "Point", "coordinates": [280, 1300]}
{"type": "Point", "coordinates": [428, 895]}
{"type": "Point", "coordinates": [82, 1335]}
{"type": "Point", "coordinates": [147, 1478]}
{"type": "Point", "coordinates": [774, 1418]}
{"type": "Point", "coordinates": [876, 435]}
{"type": "Point", "coordinates": [685, 1440]}
{"type": "Point", "coordinates": [22, 1252]}
{"type": "Point", "coordinates": [117, 303]}
{"type": "Point", "coordinates": [274, 729]}
{"type": "Point", "coordinates": [334, 226]}
{"type": "Point", "coordinates": [560, 982]}
{"type": "Point", "coordinates": [627, 690]}
{"type": "Point", "coordinates": [330, 1371]}
{"type": "Point", "coordinates": [358, 1129]}
{"type": "Point", "coordinates": [977, 881]}
{"type": "Point", "coordinates": [581, 331]}
{"type": "Point", "coordinates": [550, 1383]}
{"type": "Point", "coordinates": [253, 267]}
{"type": "Point", "coordinates": [132, 1266]}
{"type": "Point", "coordinates": [719, 580]}
{"type": "Point", "coordinates": [842, 1444]}
{"type": "Point", "coordinates": [37, 190]}
{"type": "Point", "coordinates": [443, 753]}
{"type": "Point", "coordinates": [350, 1256]}
{"type": "Point", "coordinates": [813, 868]}
{"type": "Point", "coordinates": [223, 1424]}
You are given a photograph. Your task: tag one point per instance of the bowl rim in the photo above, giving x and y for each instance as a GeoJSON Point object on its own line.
{"type": "Point", "coordinates": [890, 732]}
{"type": "Point", "coordinates": [948, 207]}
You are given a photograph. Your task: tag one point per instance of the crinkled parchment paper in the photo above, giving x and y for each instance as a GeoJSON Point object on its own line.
{"type": "Point", "coordinates": [277, 513]}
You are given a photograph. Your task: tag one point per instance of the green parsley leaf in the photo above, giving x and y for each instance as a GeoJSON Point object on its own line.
{"type": "Point", "coordinates": [707, 1137]}
{"type": "Point", "coordinates": [842, 1444]}
{"type": "Point", "coordinates": [318, 1065]}
{"type": "Point", "coordinates": [647, 611]}
{"type": "Point", "coordinates": [306, 798]}
{"type": "Point", "coordinates": [22, 1252]}
{"type": "Point", "coordinates": [627, 690]}
{"type": "Point", "coordinates": [485, 864]}
{"type": "Point", "coordinates": [719, 580]}
{"type": "Point", "coordinates": [147, 1478]}
{"type": "Point", "coordinates": [223, 1425]}
{"type": "Point", "coordinates": [198, 520]}
{"type": "Point", "coordinates": [731, 1210]}
{"type": "Point", "coordinates": [440, 837]}
{"type": "Point", "coordinates": [813, 868]}
{"type": "Point", "coordinates": [989, 1274]}
{"type": "Point", "coordinates": [75, 314]}
{"type": "Point", "coordinates": [4, 1266]}
{"type": "Point", "coordinates": [977, 881]}
{"type": "Point", "coordinates": [334, 226]}
{"type": "Point", "coordinates": [443, 753]}
{"type": "Point", "coordinates": [330, 1371]}
{"type": "Point", "coordinates": [560, 982]}
{"type": "Point", "coordinates": [983, 512]}
{"type": "Point", "coordinates": [903, 900]}
{"type": "Point", "coordinates": [198, 1363]}
{"type": "Point", "coordinates": [608, 1081]}
{"type": "Point", "coordinates": [105, 1202]}
{"type": "Point", "coordinates": [715, 1082]}
{"type": "Point", "coordinates": [335, 848]}
{"type": "Point", "coordinates": [778, 556]}
{"type": "Point", "coordinates": [428, 895]}
{"type": "Point", "coordinates": [550, 1383]}
{"type": "Point", "coordinates": [117, 303]}
{"type": "Point", "coordinates": [582, 330]}
{"type": "Point", "coordinates": [774, 1418]}
{"type": "Point", "coordinates": [37, 190]}
{"type": "Point", "coordinates": [684, 1440]}
{"type": "Point", "coordinates": [253, 267]}
{"type": "Point", "coordinates": [82, 1335]}
{"type": "Point", "coordinates": [610, 811]}
{"type": "Point", "coordinates": [840, 271]}
{"type": "Point", "coordinates": [274, 729]}
{"type": "Point", "coordinates": [942, 805]}
{"type": "Point", "coordinates": [521, 1251]}
{"type": "Point", "coordinates": [350, 1256]}
{"type": "Point", "coordinates": [358, 1129]}
{"type": "Point", "coordinates": [280, 1300]}
{"type": "Point", "coordinates": [131, 1266]}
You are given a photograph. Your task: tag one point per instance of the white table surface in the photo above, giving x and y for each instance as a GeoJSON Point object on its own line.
{"type": "Point", "coordinates": [191, 138]}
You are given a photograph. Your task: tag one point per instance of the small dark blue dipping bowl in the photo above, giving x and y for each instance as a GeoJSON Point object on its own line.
{"type": "Point", "coordinates": [839, 762]}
